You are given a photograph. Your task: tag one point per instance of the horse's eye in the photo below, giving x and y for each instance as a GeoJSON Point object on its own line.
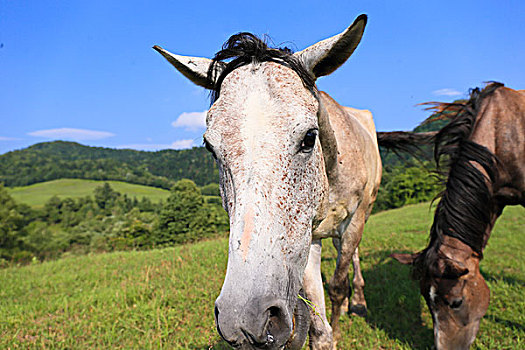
{"type": "Point", "coordinates": [308, 142]}
{"type": "Point", "coordinates": [455, 304]}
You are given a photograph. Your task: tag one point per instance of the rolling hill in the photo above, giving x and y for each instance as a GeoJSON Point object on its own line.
{"type": "Point", "coordinates": [37, 195]}
{"type": "Point", "coordinates": [60, 159]}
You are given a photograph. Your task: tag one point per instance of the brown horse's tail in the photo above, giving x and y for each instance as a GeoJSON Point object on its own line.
{"type": "Point", "coordinates": [404, 141]}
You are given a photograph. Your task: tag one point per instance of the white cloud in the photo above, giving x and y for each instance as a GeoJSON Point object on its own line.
{"type": "Point", "coordinates": [144, 146]}
{"type": "Point", "coordinates": [191, 120]}
{"type": "Point", "coordinates": [179, 144]}
{"type": "Point", "coordinates": [447, 92]}
{"type": "Point", "coordinates": [72, 134]}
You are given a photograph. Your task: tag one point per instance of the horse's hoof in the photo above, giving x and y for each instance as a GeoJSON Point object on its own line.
{"type": "Point", "coordinates": [358, 310]}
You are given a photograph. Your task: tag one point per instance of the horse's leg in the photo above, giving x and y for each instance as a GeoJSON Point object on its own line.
{"type": "Point", "coordinates": [339, 285]}
{"type": "Point", "coordinates": [358, 303]}
{"type": "Point", "coordinates": [320, 331]}
{"type": "Point", "coordinates": [344, 304]}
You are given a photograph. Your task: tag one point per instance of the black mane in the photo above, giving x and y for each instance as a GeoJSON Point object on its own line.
{"type": "Point", "coordinates": [246, 48]}
{"type": "Point", "coordinates": [464, 211]}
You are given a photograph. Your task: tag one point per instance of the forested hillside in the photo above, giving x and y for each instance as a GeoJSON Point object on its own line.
{"type": "Point", "coordinates": [107, 220]}
{"type": "Point", "coordinates": [59, 159]}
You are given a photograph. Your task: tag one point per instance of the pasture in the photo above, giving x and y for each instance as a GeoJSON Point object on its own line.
{"type": "Point", "coordinates": [164, 298]}
{"type": "Point", "coordinates": [38, 194]}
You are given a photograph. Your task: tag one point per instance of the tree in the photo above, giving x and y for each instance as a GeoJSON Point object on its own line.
{"type": "Point", "coordinates": [145, 204]}
{"type": "Point", "coordinates": [184, 217]}
{"type": "Point", "coordinates": [211, 190]}
{"type": "Point", "coordinates": [52, 210]}
{"type": "Point", "coordinates": [68, 212]}
{"type": "Point", "coordinates": [406, 185]}
{"type": "Point", "coordinates": [105, 196]}
{"type": "Point", "coordinates": [11, 228]}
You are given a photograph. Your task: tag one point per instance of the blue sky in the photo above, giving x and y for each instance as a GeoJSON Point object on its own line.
{"type": "Point", "coordinates": [85, 70]}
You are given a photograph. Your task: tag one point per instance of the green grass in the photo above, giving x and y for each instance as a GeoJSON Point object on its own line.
{"type": "Point", "coordinates": [164, 298]}
{"type": "Point", "coordinates": [38, 194]}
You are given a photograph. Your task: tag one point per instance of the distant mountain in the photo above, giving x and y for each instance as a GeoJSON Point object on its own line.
{"type": "Point", "coordinates": [60, 159]}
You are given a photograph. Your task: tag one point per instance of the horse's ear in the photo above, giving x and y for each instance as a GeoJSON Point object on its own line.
{"type": "Point", "coordinates": [406, 259]}
{"type": "Point", "coordinates": [326, 56]}
{"type": "Point", "coordinates": [193, 68]}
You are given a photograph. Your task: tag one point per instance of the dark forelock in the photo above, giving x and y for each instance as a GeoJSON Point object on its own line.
{"type": "Point", "coordinates": [245, 48]}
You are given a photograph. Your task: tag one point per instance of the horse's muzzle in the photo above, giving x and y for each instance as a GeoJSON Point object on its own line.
{"type": "Point", "coordinates": [259, 324]}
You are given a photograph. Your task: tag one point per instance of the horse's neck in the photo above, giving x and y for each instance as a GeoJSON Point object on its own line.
{"type": "Point", "coordinates": [500, 127]}
{"type": "Point", "coordinates": [493, 217]}
{"type": "Point", "coordinates": [328, 140]}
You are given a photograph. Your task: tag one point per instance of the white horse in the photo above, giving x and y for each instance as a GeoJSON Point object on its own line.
{"type": "Point", "coordinates": [295, 167]}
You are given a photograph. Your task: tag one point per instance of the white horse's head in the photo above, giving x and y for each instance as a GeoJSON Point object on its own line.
{"type": "Point", "coordinates": [271, 139]}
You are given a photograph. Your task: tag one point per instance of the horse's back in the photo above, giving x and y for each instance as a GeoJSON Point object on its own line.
{"type": "Point", "coordinates": [365, 118]}
{"type": "Point", "coordinates": [501, 128]}
{"type": "Point", "coordinates": [359, 163]}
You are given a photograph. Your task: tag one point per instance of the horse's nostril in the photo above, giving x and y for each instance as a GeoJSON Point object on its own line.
{"type": "Point", "coordinates": [277, 326]}
{"type": "Point", "coordinates": [274, 316]}
{"type": "Point", "coordinates": [216, 314]}
{"type": "Point", "coordinates": [274, 311]}
{"type": "Point", "coordinates": [217, 322]}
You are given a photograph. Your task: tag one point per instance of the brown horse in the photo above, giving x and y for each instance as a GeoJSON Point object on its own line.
{"type": "Point", "coordinates": [484, 145]}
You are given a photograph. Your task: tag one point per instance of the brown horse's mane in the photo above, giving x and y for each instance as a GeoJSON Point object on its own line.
{"type": "Point", "coordinates": [245, 48]}
{"type": "Point", "coordinates": [464, 211]}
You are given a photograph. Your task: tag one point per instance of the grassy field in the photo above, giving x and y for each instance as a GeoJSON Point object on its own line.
{"type": "Point", "coordinates": [38, 194]}
{"type": "Point", "coordinates": [163, 299]}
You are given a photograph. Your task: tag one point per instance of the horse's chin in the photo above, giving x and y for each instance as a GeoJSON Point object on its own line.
{"type": "Point", "coordinates": [301, 324]}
